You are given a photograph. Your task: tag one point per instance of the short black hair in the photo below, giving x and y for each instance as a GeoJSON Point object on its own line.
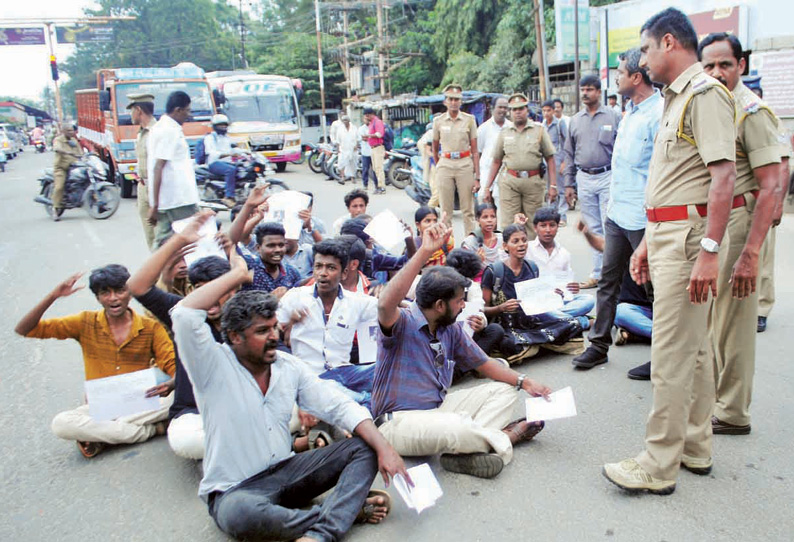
{"type": "Point", "coordinates": [496, 100]}
{"type": "Point", "coordinates": [355, 226]}
{"type": "Point", "coordinates": [612, 96]}
{"type": "Point", "coordinates": [207, 269]}
{"type": "Point", "coordinates": [465, 262]}
{"type": "Point", "coordinates": [672, 21]}
{"type": "Point", "coordinates": [547, 103]}
{"type": "Point", "coordinates": [590, 80]}
{"type": "Point", "coordinates": [369, 111]}
{"type": "Point", "coordinates": [268, 228]}
{"type": "Point", "coordinates": [546, 214]}
{"type": "Point", "coordinates": [632, 59]}
{"type": "Point", "coordinates": [510, 230]}
{"type": "Point", "coordinates": [176, 99]}
{"type": "Point", "coordinates": [146, 107]}
{"type": "Point", "coordinates": [736, 45]}
{"type": "Point", "coordinates": [482, 207]}
{"type": "Point", "coordinates": [556, 101]}
{"type": "Point", "coordinates": [356, 249]}
{"type": "Point", "coordinates": [238, 313]}
{"type": "Point", "coordinates": [110, 277]}
{"type": "Point", "coordinates": [355, 194]}
{"type": "Point", "coordinates": [422, 212]}
{"type": "Point", "coordinates": [439, 283]}
{"type": "Point", "coordinates": [311, 197]}
{"type": "Point", "coordinates": [334, 248]}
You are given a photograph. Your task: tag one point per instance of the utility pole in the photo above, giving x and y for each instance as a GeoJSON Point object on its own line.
{"type": "Point", "coordinates": [320, 65]}
{"type": "Point", "coordinates": [381, 46]}
{"type": "Point", "coordinates": [576, 51]}
{"type": "Point", "coordinates": [51, 41]}
{"type": "Point", "coordinates": [543, 41]}
{"type": "Point", "coordinates": [541, 49]}
{"type": "Point", "coordinates": [244, 62]}
{"type": "Point", "coordinates": [347, 55]}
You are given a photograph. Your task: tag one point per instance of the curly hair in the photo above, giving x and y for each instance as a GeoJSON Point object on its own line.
{"type": "Point", "coordinates": [238, 313]}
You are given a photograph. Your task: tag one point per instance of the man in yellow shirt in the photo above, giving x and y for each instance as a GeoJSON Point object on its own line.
{"type": "Point", "coordinates": [115, 341]}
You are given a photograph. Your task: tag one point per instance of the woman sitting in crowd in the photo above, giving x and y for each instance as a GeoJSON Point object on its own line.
{"type": "Point", "coordinates": [425, 217]}
{"type": "Point", "coordinates": [485, 239]}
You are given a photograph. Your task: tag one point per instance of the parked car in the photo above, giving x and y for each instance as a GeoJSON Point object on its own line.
{"type": "Point", "coordinates": [9, 141]}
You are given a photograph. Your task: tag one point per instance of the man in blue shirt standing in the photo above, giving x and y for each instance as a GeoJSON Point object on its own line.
{"type": "Point", "coordinates": [625, 221]}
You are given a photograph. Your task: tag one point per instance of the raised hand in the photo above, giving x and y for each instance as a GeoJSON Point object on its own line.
{"type": "Point", "coordinates": [191, 233]}
{"type": "Point", "coordinates": [67, 287]}
{"type": "Point", "coordinates": [258, 195]}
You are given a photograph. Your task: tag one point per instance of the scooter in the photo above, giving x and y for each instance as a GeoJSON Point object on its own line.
{"type": "Point", "coordinates": [40, 145]}
{"type": "Point", "coordinates": [397, 159]}
{"type": "Point", "coordinates": [251, 169]}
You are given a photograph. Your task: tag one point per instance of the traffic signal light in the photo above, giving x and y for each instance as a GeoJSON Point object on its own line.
{"type": "Point", "coordinates": [54, 67]}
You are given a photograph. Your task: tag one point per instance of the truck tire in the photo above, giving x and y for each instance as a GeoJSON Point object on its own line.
{"type": "Point", "coordinates": [126, 186]}
{"type": "Point", "coordinates": [281, 167]}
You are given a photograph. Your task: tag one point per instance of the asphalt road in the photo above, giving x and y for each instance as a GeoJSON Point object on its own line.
{"type": "Point", "coordinates": [553, 489]}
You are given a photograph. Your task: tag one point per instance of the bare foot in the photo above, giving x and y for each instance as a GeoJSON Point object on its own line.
{"type": "Point", "coordinates": [301, 444]}
{"type": "Point", "coordinates": [305, 539]}
{"type": "Point", "coordinates": [375, 509]}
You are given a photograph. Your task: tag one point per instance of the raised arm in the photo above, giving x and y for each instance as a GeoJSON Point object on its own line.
{"type": "Point", "coordinates": [32, 318]}
{"type": "Point", "coordinates": [207, 295]}
{"type": "Point", "coordinates": [256, 197]}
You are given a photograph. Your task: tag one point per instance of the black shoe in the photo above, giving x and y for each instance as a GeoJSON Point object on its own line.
{"type": "Point", "coordinates": [481, 465]}
{"type": "Point", "coordinates": [761, 324]}
{"type": "Point", "coordinates": [590, 358]}
{"type": "Point", "coordinates": [641, 372]}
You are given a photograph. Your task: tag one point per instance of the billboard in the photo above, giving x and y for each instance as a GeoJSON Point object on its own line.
{"type": "Point", "coordinates": [776, 69]}
{"type": "Point", "coordinates": [84, 34]}
{"type": "Point", "coordinates": [22, 36]}
{"type": "Point", "coordinates": [565, 29]}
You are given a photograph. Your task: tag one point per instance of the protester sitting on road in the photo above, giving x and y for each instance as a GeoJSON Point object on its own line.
{"type": "Point", "coordinates": [174, 276]}
{"type": "Point", "coordinates": [299, 256]}
{"type": "Point", "coordinates": [381, 261]}
{"type": "Point", "coordinates": [320, 323]}
{"type": "Point", "coordinates": [314, 229]}
{"type": "Point", "coordinates": [356, 202]}
{"type": "Point", "coordinates": [426, 217]}
{"type": "Point", "coordinates": [554, 261]}
{"type": "Point", "coordinates": [254, 486]}
{"type": "Point", "coordinates": [485, 239]}
{"type": "Point", "coordinates": [353, 279]}
{"type": "Point", "coordinates": [419, 347]}
{"type": "Point", "coordinates": [115, 341]}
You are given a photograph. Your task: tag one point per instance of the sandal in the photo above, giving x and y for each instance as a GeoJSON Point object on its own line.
{"type": "Point", "coordinates": [527, 433]}
{"type": "Point", "coordinates": [319, 434]}
{"type": "Point", "coordinates": [368, 510]}
{"type": "Point", "coordinates": [90, 449]}
{"type": "Point", "coordinates": [622, 337]}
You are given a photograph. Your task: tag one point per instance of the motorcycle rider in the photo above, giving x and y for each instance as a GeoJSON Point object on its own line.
{"type": "Point", "coordinates": [37, 135]}
{"type": "Point", "coordinates": [218, 147]}
{"type": "Point", "coordinates": [67, 152]}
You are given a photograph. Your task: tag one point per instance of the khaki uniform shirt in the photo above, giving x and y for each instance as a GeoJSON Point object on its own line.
{"type": "Point", "coordinates": [678, 174]}
{"type": "Point", "coordinates": [757, 142]}
{"type": "Point", "coordinates": [454, 135]}
{"type": "Point", "coordinates": [65, 154]}
{"type": "Point", "coordinates": [140, 149]}
{"type": "Point", "coordinates": [523, 150]}
{"type": "Point", "coordinates": [782, 138]}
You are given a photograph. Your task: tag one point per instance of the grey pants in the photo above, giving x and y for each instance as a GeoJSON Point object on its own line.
{"type": "Point", "coordinates": [267, 506]}
{"type": "Point", "coordinates": [167, 217]}
{"type": "Point", "coordinates": [619, 245]}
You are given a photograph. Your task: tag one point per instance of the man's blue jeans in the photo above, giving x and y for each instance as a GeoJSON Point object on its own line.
{"type": "Point", "coordinates": [356, 380]}
{"type": "Point", "coordinates": [276, 503]}
{"type": "Point", "coordinates": [367, 171]}
{"type": "Point", "coordinates": [635, 319]}
{"type": "Point", "coordinates": [594, 197]}
{"type": "Point", "coordinates": [229, 172]}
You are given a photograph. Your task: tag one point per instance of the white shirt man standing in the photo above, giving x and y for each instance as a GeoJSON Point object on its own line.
{"type": "Point", "coordinates": [487, 134]}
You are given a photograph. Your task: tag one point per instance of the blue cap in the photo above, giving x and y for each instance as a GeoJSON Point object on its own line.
{"type": "Point", "coordinates": [753, 82]}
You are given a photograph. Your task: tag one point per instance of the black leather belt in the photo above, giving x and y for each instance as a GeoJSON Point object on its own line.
{"type": "Point", "coordinates": [383, 418]}
{"type": "Point", "coordinates": [596, 170]}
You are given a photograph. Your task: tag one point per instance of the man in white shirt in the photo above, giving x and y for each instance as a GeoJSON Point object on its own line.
{"type": "Point", "coordinates": [366, 156]}
{"type": "Point", "coordinates": [172, 193]}
{"type": "Point", "coordinates": [254, 485]}
{"type": "Point", "coordinates": [321, 322]}
{"type": "Point", "coordinates": [559, 107]}
{"type": "Point", "coordinates": [347, 139]}
{"type": "Point", "coordinates": [486, 137]}
{"type": "Point", "coordinates": [218, 147]}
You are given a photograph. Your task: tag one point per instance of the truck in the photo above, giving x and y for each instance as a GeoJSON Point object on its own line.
{"type": "Point", "coordinates": [263, 112]}
{"type": "Point", "coordinates": [104, 124]}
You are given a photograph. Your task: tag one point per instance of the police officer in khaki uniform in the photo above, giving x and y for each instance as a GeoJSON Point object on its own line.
{"type": "Point", "coordinates": [688, 200]}
{"type": "Point", "coordinates": [67, 152]}
{"type": "Point", "coordinates": [455, 153]}
{"type": "Point", "coordinates": [141, 108]}
{"type": "Point", "coordinates": [522, 147]}
{"type": "Point", "coordinates": [735, 313]}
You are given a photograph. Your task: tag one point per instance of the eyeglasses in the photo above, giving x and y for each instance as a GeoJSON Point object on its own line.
{"type": "Point", "coordinates": [438, 350]}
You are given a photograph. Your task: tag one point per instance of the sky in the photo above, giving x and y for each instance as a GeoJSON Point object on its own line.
{"type": "Point", "coordinates": [25, 69]}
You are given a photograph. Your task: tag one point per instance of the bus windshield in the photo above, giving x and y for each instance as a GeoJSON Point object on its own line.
{"type": "Point", "coordinates": [199, 92]}
{"type": "Point", "coordinates": [276, 106]}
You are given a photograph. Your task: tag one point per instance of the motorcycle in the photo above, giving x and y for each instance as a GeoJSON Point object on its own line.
{"type": "Point", "coordinates": [251, 169]}
{"type": "Point", "coordinates": [305, 151]}
{"type": "Point", "coordinates": [319, 155]}
{"type": "Point", "coordinates": [40, 145]}
{"type": "Point", "coordinates": [86, 186]}
{"type": "Point", "coordinates": [417, 189]}
{"type": "Point", "coordinates": [399, 159]}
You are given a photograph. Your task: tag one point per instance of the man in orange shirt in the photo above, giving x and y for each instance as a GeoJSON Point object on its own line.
{"type": "Point", "coordinates": [115, 341]}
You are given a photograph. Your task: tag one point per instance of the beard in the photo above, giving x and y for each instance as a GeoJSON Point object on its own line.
{"type": "Point", "coordinates": [448, 318]}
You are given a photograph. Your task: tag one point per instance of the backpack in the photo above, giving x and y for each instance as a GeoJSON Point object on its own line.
{"type": "Point", "coordinates": [388, 137]}
{"type": "Point", "coordinates": [201, 154]}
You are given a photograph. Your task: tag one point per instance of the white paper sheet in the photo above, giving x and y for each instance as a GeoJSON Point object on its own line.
{"type": "Point", "coordinates": [123, 395]}
{"type": "Point", "coordinates": [367, 333]}
{"type": "Point", "coordinates": [562, 405]}
{"type": "Point", "coordinates": [388, 231]}
{"type": "Point", "coordinates": [206, 245]}
{"type": "Point", "coordinates": [538, 295]}
{"type": "Point", "coordinates": [562, 280]}
{"type": "Point", "coordinates": [426, 490]}
{"type": "Point", "coordinates": [283, 207]}
{"type": "Point", "coordinates": [470, 309]}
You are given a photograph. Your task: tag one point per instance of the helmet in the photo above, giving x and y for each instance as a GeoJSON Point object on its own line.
{"type": "Point", "coordinates": [219, 119]}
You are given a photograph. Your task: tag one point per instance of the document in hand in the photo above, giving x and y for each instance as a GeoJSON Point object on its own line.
{"type": "Point", "coordinates": [283, 207]}
{"type": "Point", "coordinates": [388, 231]}
{"type": "Point", "coordinates": [538, 295]}
{"type": "Point", "coordinates": [560, 405]}
{"type": "Point", "coordinates": [367, 333]}
{"type": "Point", "coordinates": [426, 490]}
{"type": "Point", "coordinates": [123, 395]}
{"type": "Point", "coordinates": [470, 309]}
{"type": "Point", "coordinates": [206, 245]}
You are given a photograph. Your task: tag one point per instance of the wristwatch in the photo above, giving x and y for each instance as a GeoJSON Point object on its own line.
{"type": "Point", "coordinates": [520, 381]}
{"type": "Point", "coordinates": [709, 245]}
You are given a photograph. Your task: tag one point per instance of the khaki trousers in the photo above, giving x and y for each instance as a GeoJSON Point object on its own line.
{"type": "Point", "coordinates": [378, 153]}
{"type": "Point", "coordinates": [143, 212]}
{"type": "Point", "coordinates": [518, 195]}
{"type": "Point", "coordinates": [468, 421]}
{"type": "Point", "coordinates": [452, 174]}
{"type": "Point", "coordinates": [432, 181]}
{"type": "Point", "coordinates": [77, 424]}
{"type": "Point", "coordinates": [59, 182]}
{"type": "Point", "coordinates": [766, 274]}
{"type": "Point", "coordinates": [732, 328]}
{"type": "Point", "coordinates": [681, 371]}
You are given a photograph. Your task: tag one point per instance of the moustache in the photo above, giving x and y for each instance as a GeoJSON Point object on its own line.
{"type": "Point", "coordinates": [271, 345]}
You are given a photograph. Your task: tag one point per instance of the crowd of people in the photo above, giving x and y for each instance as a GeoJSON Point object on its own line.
{"type": "Point", "coordinates": [274, 380]}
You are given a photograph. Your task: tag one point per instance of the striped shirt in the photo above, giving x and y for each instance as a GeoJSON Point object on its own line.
{"type": "Point", "coordinates": [147, 344]}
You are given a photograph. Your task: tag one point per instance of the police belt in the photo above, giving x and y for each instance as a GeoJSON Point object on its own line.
{"type": "Point", "coordinates": [456, 155]}
{"type": "Point", "coordinates": [383, 418]}
{"type": "Point", "coordinates": [681, 212]}
{"type": "Point", "coordinates": [595, 170]}
{"type": "Point", "coordinates": [523, 174]}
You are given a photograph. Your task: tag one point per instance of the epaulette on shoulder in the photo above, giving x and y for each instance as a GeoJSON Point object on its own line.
{"type": "Point", "coordinates": [702, 82]}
